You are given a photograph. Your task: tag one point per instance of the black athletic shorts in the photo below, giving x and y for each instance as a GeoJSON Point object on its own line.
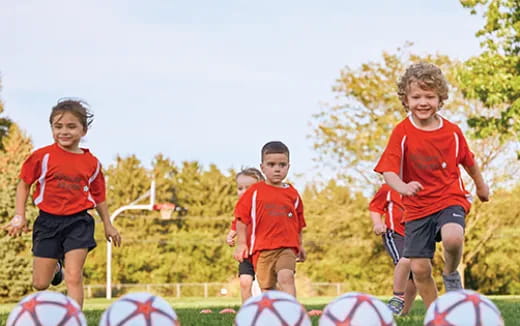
{"type": "Point", "coordinates": [54, 235]}
{"type": "Point", "coordinates": [394, 245]}
{"type": "Point", "coordinates": [422, 234]}
{"type": "Point", "coordinates": [246, 267]}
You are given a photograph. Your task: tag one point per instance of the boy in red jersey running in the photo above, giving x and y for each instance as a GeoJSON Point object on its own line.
{"type": "Point", "coordinates": [246, 271]}
{"type": "Point", "coordinates": [69, 181]}
{"type": "Point", "coordinates": [421, 162]}
{"type": "Point", "coordinates": [275, 211]}
{"type": "Point", "coordinates": [387, 202]}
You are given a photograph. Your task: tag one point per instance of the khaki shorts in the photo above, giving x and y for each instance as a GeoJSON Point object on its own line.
{"type": "Point", "coordinates": [270, 262]}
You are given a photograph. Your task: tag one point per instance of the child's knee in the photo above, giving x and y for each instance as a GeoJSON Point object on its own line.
{"type": "Point", "coordinates": [421, 269]}
{"type": "Point", "coordinates": [246, 283]}
{"type": "Point", "coordinates": [453, 243]}
{"type": "Point", "coordinates": [285, 277]}
{"type": "Point", "coordinates": [74, 278]}
{"type": "Point", "coordinates": [404, 262]}
{"type": "Point", "coordinates": [40, 284]}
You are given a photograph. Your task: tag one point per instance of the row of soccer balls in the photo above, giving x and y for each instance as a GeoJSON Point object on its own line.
{"type": "Point", "coordinates": [272, 308]}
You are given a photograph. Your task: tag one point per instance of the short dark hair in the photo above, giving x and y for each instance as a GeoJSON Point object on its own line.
{"type": "Point", "coordinates": [275, 147]}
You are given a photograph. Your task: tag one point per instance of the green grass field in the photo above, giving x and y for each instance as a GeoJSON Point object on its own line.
{"type": "Point", "coordinates": [188, 310]}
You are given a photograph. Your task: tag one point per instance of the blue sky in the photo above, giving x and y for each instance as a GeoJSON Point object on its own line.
{"type": "Point", "coordinates": [210, 81]}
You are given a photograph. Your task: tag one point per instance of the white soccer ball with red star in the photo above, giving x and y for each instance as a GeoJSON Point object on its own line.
{"type": "Point", "coordinates": [356, 309]}
{"type": "Point", "coordinates": [463, 308]}
{"type": "Point", "coordinates": [273, 308]}
{"type": "Point", "coordinates": [46, 309]}
{"type": "Point", "coordinates": [139, 309]}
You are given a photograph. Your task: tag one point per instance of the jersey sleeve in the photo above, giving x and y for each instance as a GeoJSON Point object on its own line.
{"type": "Point", "coordinates": [31, 169]}
{"type": "Point", "coordinates": [234, 224]}
{"type": "Point", "coordinates": [392, 157]}
{"type": "Point", "coordinates": [465, 156]}
{"type": "Point", "coordinates": [378, 203]}
{"type": "Point", "coordinates": [97, 185]}
{"type": "Point", "coordinates": [243, 207]}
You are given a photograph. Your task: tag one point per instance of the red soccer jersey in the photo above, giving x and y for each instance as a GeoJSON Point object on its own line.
{"type": "Point", "coordinates": [387, 202]}
{"type": "Point", "coordinates": [432, 158]}
{"type": "Point", "coordinates": [66, 183]}
{"type": "Point", "coordinates": [275, 215]}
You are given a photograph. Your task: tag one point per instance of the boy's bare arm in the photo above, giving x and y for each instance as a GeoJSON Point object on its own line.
{"type": "Point", "coordinates": [302, 255]}
{"type": "Point", "coordinates": [406, 189]}
{"type": "Point", "coordinates": [480, 184]}
{"type": "Point", "coordinates": [379, 226]}
{"type": "Point", "coordinates": [241, 251]}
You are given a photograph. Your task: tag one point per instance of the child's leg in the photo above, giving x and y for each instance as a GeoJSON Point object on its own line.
{"type": "Point", "coordinates": [264, 269]}
{"type": "Point", "coordinates": [286, 281]}
{"type": "Point", "coordinates": [43, 272]}
{"type": "Point", "coordinates": [401, 275]}
{"type": "Point", "coordinates": [285, 268]}
{"type": "Point", "coordinates": [74, 262]}
{"type": "Point", "coordinates": [409, 296]}
{"type": "Point", "coordinates": [246, 282]}
{"type": "Point", "coordinates": [422, 275]}
{"type": "Point", "coordinates": [451, 224]}
{"type": "Point", "coordinates": [452, 242]}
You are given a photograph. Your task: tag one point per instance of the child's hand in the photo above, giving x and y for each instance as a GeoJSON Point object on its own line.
{"type": "Point", "coordinates": [230, 238]}
{"type": "Point", "coordinates": [411, 188]}
{"type": "Point", "coordinates": [241, 252]}
{"type": "Point", "coordinates": [483, 193]}
{"type": "Point", "coordinates": [379, 228]}
{"type": "Point", "coordinates": [16, 226]}
{"type": "Point", "coordinates": [112, 235]}
{"type": "Point", "coordinates": [302, 255]}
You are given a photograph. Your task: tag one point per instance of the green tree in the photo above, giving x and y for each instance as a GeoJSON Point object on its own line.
{"type": "Point", "coordinates": [493, 77]}
{"type": "Point", "coordinates": [127, 180]}
{"type": "Point", "coordinates": [15, 257]}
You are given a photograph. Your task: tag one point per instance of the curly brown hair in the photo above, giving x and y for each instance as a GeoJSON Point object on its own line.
{"type": "Point", "coordinates": [77, 107]}
{"type": "Point", "coordinates": [428, 76]}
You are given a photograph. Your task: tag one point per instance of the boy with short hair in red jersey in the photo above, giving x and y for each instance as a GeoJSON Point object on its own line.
{"type": "Point", "coordinates": [275, 211]}
{"type": "Point", "coordinates": [69, 181]}
{"type": "Point", "coordinates": [387, 203]}
{"type": "Point", "coordinates": [421, 162]}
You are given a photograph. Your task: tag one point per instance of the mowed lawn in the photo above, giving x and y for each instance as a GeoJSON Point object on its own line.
{"type": "Point", "coordinates": [188, 310]}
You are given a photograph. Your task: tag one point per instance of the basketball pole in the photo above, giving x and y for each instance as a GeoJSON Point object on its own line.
{"type": "Point", "coordinates": [131, 206]}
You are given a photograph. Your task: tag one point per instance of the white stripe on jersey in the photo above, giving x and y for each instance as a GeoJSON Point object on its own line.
{"type": "Point", "coordinates": [403, 141]}
{"type": "Point", "coordinates": [390, 210]}
{"type": "Point", "coordinates": [90, 180]}
{"type": "Point", "coordinates": [253, 221]}
{"type": "Point", "coordinates": [456, 146]}
{"type": "Point", "coordinates": [41, 179]}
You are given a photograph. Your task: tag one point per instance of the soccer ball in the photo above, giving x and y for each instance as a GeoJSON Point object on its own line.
{"type": "Point", "coordinates": [356, 309]}
{"type": "Point", "coordinates": [46, 309]}
{"type": "Point", "coordinates": [139, 309]}
{"type": "Point", "coordinates": [273, 308]}
{"type": "Point", "coordinates": [463, 308]}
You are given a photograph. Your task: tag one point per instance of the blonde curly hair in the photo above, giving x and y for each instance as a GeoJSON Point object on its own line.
{"type": "Point", "coordinates": [428, 76]}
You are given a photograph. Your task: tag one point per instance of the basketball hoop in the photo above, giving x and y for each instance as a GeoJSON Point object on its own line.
{"type": "Point", "coordinates": [165, 209]}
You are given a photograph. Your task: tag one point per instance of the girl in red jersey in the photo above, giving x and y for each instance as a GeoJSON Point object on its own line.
{"type": "Point", "coordinates": [69, 182]}
{"type": "Point", "coordinates": [246, 271]}
{"type": "Point", "coordinates": [421, 162]}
